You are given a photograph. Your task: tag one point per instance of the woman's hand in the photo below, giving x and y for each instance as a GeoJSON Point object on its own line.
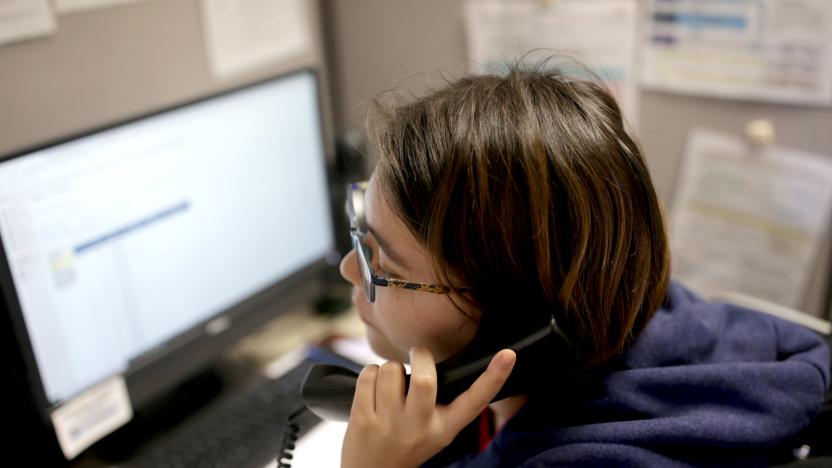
{"type": "Point", "coordinates": [390, 429]}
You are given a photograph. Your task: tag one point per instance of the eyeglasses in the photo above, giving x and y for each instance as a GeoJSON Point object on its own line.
{"type": "Point", "coordinates": [358, 231]}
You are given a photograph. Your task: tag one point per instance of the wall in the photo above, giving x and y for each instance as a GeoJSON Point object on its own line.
{"type": "Point", "coordinates": [105, 65]}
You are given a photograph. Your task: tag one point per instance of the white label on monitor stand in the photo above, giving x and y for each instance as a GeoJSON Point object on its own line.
{"type": "Point", "coordinates": [92, 415]}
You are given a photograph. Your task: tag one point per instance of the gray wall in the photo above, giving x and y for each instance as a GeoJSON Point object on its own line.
{"type": "Point", "coordinates": [106, 65]}
{"type": "Point", "coordinates": [377, 45]}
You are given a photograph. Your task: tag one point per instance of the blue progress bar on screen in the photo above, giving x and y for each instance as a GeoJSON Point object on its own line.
{"type": "Point", "coordinates": [700, 21]}
{"type": "Point", "coordinates": [158, 216]}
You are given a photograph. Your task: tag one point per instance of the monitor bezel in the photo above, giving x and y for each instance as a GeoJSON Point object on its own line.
{"type": "Point", "coordinates": [155, 373]}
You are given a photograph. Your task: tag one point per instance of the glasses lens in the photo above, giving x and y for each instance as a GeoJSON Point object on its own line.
{"type": "Point", "coordinates": [350, 211]}
{"type": "Point", "coordinates": [355, 205]}
{"type": "Point", "coordinates": [364, 269]}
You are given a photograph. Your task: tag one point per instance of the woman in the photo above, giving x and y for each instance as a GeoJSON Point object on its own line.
{"type": "Point", "coordinates": [501, 202]}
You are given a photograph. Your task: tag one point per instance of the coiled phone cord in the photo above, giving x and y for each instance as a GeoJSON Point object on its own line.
{"type": "Point", "coordinates": [290, 436]}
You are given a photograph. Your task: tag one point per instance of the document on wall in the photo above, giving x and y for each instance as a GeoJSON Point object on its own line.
{"type": "Point", "coordinates": [74, 6]}
{"type": "Point", "coordinates": [601, 34]}
{"type": "Point", "coordinates": [766, 50]}
{"type": "Point", "coordinates": [241, 36]}
{"type": "Point", "coordinates": [749, 219]}
{"type": "Point", "coordinates": [25, 19]}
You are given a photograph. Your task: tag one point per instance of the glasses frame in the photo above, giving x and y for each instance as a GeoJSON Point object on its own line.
{"type": "Point", "coordinates": [363, 255]}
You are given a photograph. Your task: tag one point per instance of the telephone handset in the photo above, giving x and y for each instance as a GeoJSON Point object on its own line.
{"type": "Point", "coordinates": [328, 390]}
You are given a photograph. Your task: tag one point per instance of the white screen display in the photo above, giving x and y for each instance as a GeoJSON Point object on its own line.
{"type": "Point", "coordinates": [121, 240]}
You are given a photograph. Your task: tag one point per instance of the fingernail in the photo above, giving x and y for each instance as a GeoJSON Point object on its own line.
{"type": "Point", "coordinates": [410, 355]}
{"type": "Point", "coordinates": [507, 360]}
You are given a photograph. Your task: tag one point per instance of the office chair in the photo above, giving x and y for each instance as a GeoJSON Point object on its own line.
{"type": "Point", "coordinates": [812, 447]}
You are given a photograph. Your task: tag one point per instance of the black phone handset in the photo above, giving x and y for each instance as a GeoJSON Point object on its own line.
{"type": "Point", "coordinates": [328, 390]}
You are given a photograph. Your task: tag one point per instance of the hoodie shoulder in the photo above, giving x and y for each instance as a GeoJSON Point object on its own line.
{"type": "Point", "coordinates": [688, 330]}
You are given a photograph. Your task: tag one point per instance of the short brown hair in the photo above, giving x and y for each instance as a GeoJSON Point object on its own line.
{"type": "Point", "coordinates": [528, 189]}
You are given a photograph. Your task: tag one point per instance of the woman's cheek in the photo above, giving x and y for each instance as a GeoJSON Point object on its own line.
{"type": "Point", "coordinates": [449, 329]}
{"type": "Point", "coordinates": [422, 320]}
{"type": "Point", "coordinates": [393, 321]}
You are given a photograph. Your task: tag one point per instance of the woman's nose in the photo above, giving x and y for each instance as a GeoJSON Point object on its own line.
{"type": "Point", "coordinates": [349, 268]}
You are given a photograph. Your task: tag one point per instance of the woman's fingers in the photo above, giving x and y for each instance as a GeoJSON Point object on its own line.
{"type": "Point", "coordinates": [390, 388]}
{"type": "Point", "coordinates": [364, 401]}
{"type": "Point", "coordinates": [380, 391]}
{"type": "Point", "coordinates": [473, 401]}
{"type": "Point", "coordinates": [421, 395]}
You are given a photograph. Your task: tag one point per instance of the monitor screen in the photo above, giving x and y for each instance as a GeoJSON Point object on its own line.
{"type": "Point", "coordinates": [120, 242]}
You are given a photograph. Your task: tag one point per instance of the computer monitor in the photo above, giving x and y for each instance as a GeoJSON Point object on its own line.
{"type": "Point", "coordinates": [132, 255]}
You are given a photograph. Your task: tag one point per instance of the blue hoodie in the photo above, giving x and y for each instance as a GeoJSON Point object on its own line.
{"type": "Point", "coordinates": [705, 384]}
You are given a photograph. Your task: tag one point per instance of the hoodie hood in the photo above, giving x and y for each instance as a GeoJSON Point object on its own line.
{"type": "Point", "coordinates": [705, 384]}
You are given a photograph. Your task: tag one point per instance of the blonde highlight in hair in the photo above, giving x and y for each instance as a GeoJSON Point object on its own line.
{"type": "Point", "coordinates": [528, 189]}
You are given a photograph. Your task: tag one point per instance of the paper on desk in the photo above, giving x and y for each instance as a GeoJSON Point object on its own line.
{"type": "Point", "coordinates": [320, 447]}
{"type": "Point", "coordinates": [749, 220]}
{"type": "Point", "coordinates": [241, 36]}
{"type": "Point", "coordinates": [25, 19]}
{"type": "Point", "coordinates": [601, 34]}
{"type": "Point", "coordinates": [768, 50]}
{"type": "Point", "coordinates": [74, 6]}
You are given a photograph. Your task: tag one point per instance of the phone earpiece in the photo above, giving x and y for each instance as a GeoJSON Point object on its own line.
{"type": "Point", "coordinates": [545, 348]}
